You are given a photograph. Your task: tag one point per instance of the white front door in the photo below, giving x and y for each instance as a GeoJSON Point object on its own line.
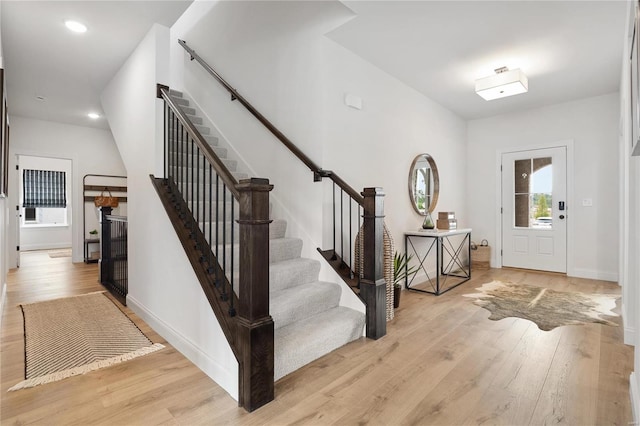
{"type": "Point", "coordinates": [534, 209]}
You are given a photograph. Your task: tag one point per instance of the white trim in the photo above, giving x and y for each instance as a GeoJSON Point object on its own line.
{"type": "Point", "coordinates": [629, 336]}
{"type": "Point", "coordinates": [2, 299]}
{"type": "Point", "coordinates": [46, 246]}
{"type": "Point", "coordinates": [226, 379]}
{"type": "Point", "coordinates": [594, 274]}
{"type": "Point", "coordinates": [496, 259]}
{"type": "Point", "coordinates": [634, 394]}
{"type": "Point", "coordinates": [77, 234]}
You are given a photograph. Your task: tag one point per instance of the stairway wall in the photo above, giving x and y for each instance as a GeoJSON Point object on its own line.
{"type": "Point", "coordinates": [163, 288]}
{"type": "Point", "coordinates": [283, 62]}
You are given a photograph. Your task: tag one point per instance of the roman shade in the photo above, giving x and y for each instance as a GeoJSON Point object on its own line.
{"type": "Point", "coordinates": [44, 188]}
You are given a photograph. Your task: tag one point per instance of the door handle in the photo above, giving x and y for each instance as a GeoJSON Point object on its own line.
{"type": "Point", "coordinates": [561, 205]}
{"type": "Point", "coordinates": [561, 216]}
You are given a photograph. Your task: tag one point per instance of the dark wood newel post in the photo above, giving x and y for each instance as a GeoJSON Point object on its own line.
{"type": "Point", "coordinates": [105, 245]}
{"type": "Point", "coordinates": [255, 325]}
{"type": "Point", "coordinates": [373, 285]}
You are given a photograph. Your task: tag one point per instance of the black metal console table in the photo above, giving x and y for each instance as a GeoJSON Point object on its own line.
{"type": "Point", "coordinates": [445, 276]}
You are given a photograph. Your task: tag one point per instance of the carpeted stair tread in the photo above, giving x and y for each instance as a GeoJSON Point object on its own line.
{"type": "Point", "coordinates": [304, 341]}
{"type": "Point", "coordinates": [302, 301]}
{"type": "Point", "coordinates": [284, 249]}
{"type": "Point", "coordinates": [202, 164]}
{"type": "Point", "coordinates": [182, 145]}
{"type": "Point", "coordinates": [201, 186]}
{"type": "Point", "coordinates": [194, 119]}
{"type": "Point", "coordinates": [292, 272]}
{"type": "Point", "coordinates": [188, 158]}
{"type": "Point", "coordinates": [277, 229]}
{"type": "Point", "coordinates": [180, 101]}
{"type": "Point", "coordinates": [279, 249]}
{"type": "Point", "coordinates": [308, 320]}
{"type": "Point", "coordinates": [204, 131]}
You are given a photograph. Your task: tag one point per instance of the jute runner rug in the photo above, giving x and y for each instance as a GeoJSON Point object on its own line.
{"type": "Point", "coordinates": [59, 253]}
{"type": "Point", "coordinates": [75, 335]}
{"type": "Point", "coordinates": [546, 307]}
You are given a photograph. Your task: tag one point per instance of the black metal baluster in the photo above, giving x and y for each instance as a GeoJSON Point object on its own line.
{"type": "Point", "coordinates": [224, 295]}
{"type": "Point", "coordinates": [196, 213]}
{"type": "Point", "coordinates": [210, 218]}
{"type": "Point", "coordinates": [342, 225]}
{"type": "Point", "coordinates": [190, 174]}
{"type": "Point", "coordinates": [217, 229]}
{"type": "Point", "coordinates": [166, 144]}
{"type": "Point", "coordinates": [350, 240]}
{"type": "Point", "coordinates": [334, 257]}
{"type": "Point", "coordinates": [232, 310]}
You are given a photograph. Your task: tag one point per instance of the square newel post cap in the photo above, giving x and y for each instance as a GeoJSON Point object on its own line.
{"type": "Point", "coordinates": [254, 184]}
{"type": "Point", "coordinates": [373, 192]}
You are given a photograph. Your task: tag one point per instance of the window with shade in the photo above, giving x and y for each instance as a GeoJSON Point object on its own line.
{"type": "Point", "coordinates": [44, 197]}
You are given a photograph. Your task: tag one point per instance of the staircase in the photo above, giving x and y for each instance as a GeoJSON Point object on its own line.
{"type": "Point", "coordinates": [308, 321]}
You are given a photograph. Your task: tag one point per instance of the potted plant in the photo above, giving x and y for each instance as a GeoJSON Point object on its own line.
{"type": "Point", "coordinates": [93, 234]}
{"type": "Point", "coordinates": [401, 271]}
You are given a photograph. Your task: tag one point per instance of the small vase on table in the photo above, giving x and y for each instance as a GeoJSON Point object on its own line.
{"type": "Point", "coordinates": [428, 221]}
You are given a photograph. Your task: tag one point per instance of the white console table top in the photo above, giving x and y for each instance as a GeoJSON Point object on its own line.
{"type": "Point", "coordinates": [438, 232]}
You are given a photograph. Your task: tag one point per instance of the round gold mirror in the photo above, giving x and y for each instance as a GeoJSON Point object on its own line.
{"type": "Point", "coordinates": [424, 184]}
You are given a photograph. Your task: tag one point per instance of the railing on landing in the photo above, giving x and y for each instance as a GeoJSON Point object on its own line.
{"type": "Point", "coordinates": [204, 201]}
{"type": "Point", "coordinates": [369, 205]}
{"type": "Point", "coordinates": [113, 254]}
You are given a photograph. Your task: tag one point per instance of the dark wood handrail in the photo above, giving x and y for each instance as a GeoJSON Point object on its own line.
{"type": "Point", "coordinates": [317, 171]}
{"type": "Point", "coordinates": [206, 149]}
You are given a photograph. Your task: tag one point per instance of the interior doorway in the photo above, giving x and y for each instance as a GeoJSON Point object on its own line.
{"type": "Point", "coordinates": [44, 213]}
{"type": "Point", "coordinates": [534, 209]}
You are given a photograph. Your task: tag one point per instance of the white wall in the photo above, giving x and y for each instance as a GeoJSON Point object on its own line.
{"type": "Point", "coordinates": [282, 62]}
{"type": "Point", "coordinates": [163, 288]}
{"type": "Point", "coordinates": [629, 233]}
{"type": "Point", "coordinates": [592, 125]}
{"type": "Point", "coordinates": [4, 222]}
{"type": "Point", "coordinates": [50, 236]}
{"type": "Point", "coordinates": [90, 150]}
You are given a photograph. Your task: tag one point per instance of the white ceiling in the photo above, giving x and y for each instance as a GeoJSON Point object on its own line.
{"type": "Point", "coordinates": [568, 49]}
{"type": "Point", "coordinates": [43, 58]}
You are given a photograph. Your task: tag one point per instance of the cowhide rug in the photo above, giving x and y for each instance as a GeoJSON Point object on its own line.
{"type": "Point", "coordinates": [546, 307]}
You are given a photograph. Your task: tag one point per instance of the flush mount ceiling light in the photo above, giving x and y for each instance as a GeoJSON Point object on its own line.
{"type": "Point", "coordinates": [75, 26]}
{"type": "Point", "coordinates": [93, 115]}
{"type": "Point", "coordinates": [504, 83]}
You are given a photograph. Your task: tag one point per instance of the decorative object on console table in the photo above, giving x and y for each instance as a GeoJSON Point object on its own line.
{"type": "Point", "coordinates": [428, 221]}
{"type": "Point", "coordinates": [447, 220]}
{"type": "Point", "coordinates": [480, 255]}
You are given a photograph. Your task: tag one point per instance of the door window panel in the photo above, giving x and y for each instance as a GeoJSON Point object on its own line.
{"type": "Point", "coordinates": [532, 193]}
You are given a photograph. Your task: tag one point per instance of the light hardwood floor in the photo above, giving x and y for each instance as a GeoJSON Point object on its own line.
{"type": "Point", "coordinates": [442, 362]}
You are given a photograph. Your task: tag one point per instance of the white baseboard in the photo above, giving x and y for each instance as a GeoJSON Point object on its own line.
{"type": "Point", "coordinates": [629, 330]}
{"type": "Point", "coordinates": [634, 394]}
{"type": "Point", "coordinates": [629, 336]}
{"type": "Point", "coordinates": [228, 380]}
{"type": "Point", "coordinates": [4, 296]}
{"type": "Point", "coordinates": [49, 246]}
{"type": "Point", "coordinates": [593, 274]}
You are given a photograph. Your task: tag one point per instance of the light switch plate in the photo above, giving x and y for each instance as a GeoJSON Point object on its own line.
{"type": "Point", "coordinates": [587, 202]}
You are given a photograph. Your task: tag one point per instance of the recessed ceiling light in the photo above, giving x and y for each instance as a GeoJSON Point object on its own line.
{"type": "Point", "coordinates": [93, 115]}
{"type": "Point", "coordinates": [76, 26]}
